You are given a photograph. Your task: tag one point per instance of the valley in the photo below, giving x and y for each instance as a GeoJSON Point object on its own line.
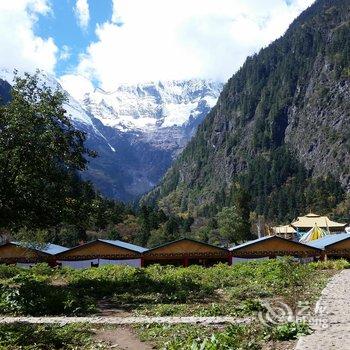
{"type": "Point", "coordinates": [174, 175]}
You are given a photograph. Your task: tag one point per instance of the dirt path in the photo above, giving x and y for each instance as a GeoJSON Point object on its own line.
{"type": "Point", "coordinates": [332, 317]}
{"type": "Point", "coordinates": [122, 339]}
{"type": "Point", "coordinates": [126, 320]}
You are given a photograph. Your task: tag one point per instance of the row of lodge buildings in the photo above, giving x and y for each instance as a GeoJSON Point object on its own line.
{"type": "Point", "coordinates": [183, 252]}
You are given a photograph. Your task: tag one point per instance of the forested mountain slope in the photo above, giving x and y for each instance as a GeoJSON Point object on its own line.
{"type": "Point", "coordinates": [281, 127]}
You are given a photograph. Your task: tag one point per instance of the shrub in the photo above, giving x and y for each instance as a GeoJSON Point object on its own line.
{"type": "Point", "coordinates": [339, 264]}
{"type": "Point", "coordinates": [288, 331]}
{"type": "Point", "coordinates": [45, 290]}
{"type": "Point", "coordinates": [192, 337]}
{"type": "Point", "coordinates": [32, 297]}
{"type": "Point", "coordinates": [214, 309]}
{"type": "Point", "coordinates": [8, 271]}
{"type": "Point", "coordinates": [234, 337]}
{"type": "Point", "coordinates": [110, 279]}
{"type": "Point", "coordinates": [44, 337]}
{"type": "Point", "coordinates": [42, 269]}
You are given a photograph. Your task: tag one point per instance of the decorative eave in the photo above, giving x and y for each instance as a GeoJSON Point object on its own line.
{"type": "Point", "coordinates": [196, 255]}
{"type": "Point", "coordinates": [275, 253]}
{"type": "Point", "coordinates": [99, 256]}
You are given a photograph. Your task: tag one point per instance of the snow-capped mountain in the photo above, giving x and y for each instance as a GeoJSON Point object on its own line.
{"type": "Point", "coordinates": [137, 130]}
{"type": "Point", "coordinates": [147, 125]}
{"type": "Point", "coordinates": [148, 107]}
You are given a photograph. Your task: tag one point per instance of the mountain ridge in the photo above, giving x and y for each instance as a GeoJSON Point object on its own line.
{"type": "Point", "coordinates": [283, 117]}
{"type": "Point", "coordinates": [153, 105]}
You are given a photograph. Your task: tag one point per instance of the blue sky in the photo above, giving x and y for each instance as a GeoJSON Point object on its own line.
{"type": "Point", "coordinates": [87, 43]}
{"type": "Point", "coordinates": [62, 25]}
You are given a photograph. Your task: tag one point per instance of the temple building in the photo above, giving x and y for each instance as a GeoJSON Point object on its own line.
{"type": "Point", "coordinates": [285, 231]}
{"type": "Point", "coordinates": [307, 222]}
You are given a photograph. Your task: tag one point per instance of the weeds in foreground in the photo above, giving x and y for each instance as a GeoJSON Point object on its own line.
{"type": "Point", "coordinates": [219, 290]}
{"type": "Point", "coordinates": [46, 337]}
{"type": "Point", "coordinates": [339, 264]}
{"type": "Point", "coordinates": [235, 336]}
{"type": "Point", "coordinates": [287, 331]}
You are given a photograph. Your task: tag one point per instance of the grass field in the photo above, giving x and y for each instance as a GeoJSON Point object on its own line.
{"type": "Point", "coordinates": [241, 290]}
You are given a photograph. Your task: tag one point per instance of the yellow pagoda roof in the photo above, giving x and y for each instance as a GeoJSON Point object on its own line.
{"type": "Point", "coordinates": [283, 229]}
{"type": "Point", "coordinates": [312, 235]}
{"type": "Point", "coordinates": [310, 220]}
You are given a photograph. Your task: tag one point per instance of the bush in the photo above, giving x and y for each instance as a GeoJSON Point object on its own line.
{"type": "Point", "coordinates": [42, 269]}
{"type": "Point", "coordinates": [8, 271]}
{"type": "Point", "coordinates": [234, 337]}
{"type": "Point", "coordinates": [31, 297]}
{"type": "Point", "coordinates": [339, 264]}
{"type": "Point", "coordinates": [43, 337]}
{"type": "Point", "coordinates": [44, 290]}
{"type": "Point", "coordinates": [110, 279]}
{"type": "Point", "coordinates": [180, 283]}
{"type": "Point", "coordinates": [192, 337]}
{"type": "Point", "coordinates": [215, 309]}
{"type": "Point", "coordinates": [288, 331]}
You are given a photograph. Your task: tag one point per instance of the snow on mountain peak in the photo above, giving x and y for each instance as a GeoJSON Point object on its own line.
{"type": "Point", "coordinates": [149, 106]}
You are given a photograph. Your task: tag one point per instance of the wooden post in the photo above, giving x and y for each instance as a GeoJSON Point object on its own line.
{"type": "Point", "coordinates": [323, 256]}
{"type": "Point", "coordinates": [185, 261]}
{"type": "Point", "coordinates": [142, 262]}
{"type": "Point", "coordinates": [229, 259]}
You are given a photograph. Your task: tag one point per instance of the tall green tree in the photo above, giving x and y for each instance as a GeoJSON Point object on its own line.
{"type": "Point", "coordinates": [232, 226]}
{"type": "Point", "coordinates": [40, 155]}
{"type": "Point", "coordinates": [241, 200]}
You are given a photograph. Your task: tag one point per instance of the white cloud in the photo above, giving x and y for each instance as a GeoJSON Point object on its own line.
{"type": "Point", "coordinates": [20, 47]}
{"type": "Point", "coordinates": [157, 39]}
{"type": "Point", "coordinates": [82, 13]}
{"type": "Point", "coordinates": [65, 53]}
{"type": "Point", "coordinates": [77, 85]}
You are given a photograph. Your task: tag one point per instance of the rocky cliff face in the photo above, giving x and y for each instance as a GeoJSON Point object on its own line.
{"type": "Point", "coordinates": [319, 131]}
{"type": "Point", "coordinates": [283, 117]}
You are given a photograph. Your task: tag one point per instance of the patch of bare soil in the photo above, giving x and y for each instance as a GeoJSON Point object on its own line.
{"type": "Point", "coordinates": [121, 338]}
{"type": "Point", "coordinates": [280, 345]}
{"type": "Point", "coordinates": [107, 308]}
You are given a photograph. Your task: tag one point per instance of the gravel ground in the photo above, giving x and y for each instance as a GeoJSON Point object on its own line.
{"type": "Point", "coordinates": [126, 320]}
{"type": "Point", "coordinates": [332, 317]}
